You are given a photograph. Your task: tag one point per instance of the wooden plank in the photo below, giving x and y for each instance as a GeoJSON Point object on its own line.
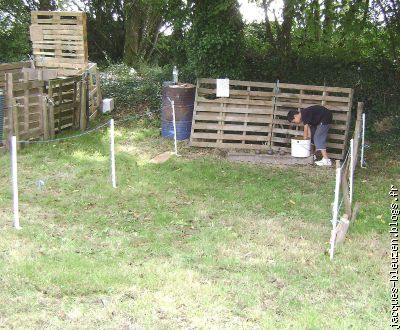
{"type": "Point", "coordinates": [14, 66]}
{"type": "Point", "coordinates": [235, 101]}
{"type": "Point", "coordinates": [83, 118]}
{"type": "Point", "coordinates": [237, 83]}
{"type": "Point", "coordinates": [26, 103]}
{"type": "Point", "coordinates": [260, 111]}
{"type": "Point", "coordinates": [289, 105]}
{"type": "Point", "coordinates": [233, 92]}
{"type": "Point", "coordinates": [315, 88]}
{"type": "Point", "coordinates": [224, 136]}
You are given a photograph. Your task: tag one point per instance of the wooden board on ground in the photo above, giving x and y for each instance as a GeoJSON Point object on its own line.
{"type": "Point", "coordinates": [275, 159]}
{"type": "Point", "coordinates": [161, 158]}
{"type": "Point", "coordinates": [254, 115]}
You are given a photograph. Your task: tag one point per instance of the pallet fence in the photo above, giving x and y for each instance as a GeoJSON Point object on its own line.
{"type": "Point", "coordinates": [36, 108]}
{"type": "Point", "coordinates": [254, 115]}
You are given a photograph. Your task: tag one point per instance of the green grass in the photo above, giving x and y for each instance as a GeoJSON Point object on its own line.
{"type": "Point", "coordinates": [196, 242]}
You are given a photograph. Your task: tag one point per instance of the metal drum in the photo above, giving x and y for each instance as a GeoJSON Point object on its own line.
{"type": "Point", "coordinates": [183, 97]}
{"type": "Point", "coordinates": [1, 114]}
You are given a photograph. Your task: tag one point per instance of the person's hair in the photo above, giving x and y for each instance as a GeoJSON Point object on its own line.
{"type": "Point", "coordinates": [290, 115]}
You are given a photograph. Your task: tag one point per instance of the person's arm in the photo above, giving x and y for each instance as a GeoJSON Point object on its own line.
{"type": "Point", "coordinates": [307, 132]}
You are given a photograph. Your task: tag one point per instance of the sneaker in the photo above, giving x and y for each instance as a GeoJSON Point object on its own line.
{"type": "Point", "coordinates": [324, 162]}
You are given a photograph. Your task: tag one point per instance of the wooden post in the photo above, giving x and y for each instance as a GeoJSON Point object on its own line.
{"type": "Point", "coordinates": [345, 191]}
{"type": "Point", "coordinates": [50, 116]}
{"type": "Point", "coordinates": [342, 228]}
{"type": "Point", "coordinates": [357, 132]}
{"type": "Point", "coordinates": [26, 104]}
{"type": "Point", "coordinates": [98, 87]}
{"type": "Point", "coordinates": [60, 104]}
{"type": "Point", "coordinates": [75, 116]}
{"type": "Point", "coordinates": [356, 209]}
{"type": "Point", "coordinates": [83, 118]}
{"type": "Point", "coordinates": [45, 119]}
{"type": "Point", "coordinates": [52, 129]}
{"type": "Point", "coordinates": [9, 106]}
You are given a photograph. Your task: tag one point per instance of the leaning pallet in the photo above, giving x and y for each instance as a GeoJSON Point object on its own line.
{"type": "Point", "coordinates": [254, 115]}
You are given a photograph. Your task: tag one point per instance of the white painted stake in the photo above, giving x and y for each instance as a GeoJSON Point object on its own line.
{"type": "Point", "coordinates": [335, 212]}
{"type": "Point", "coordinates": [14, 182]}
{"type": "Point", "coordinates": [112, 154]}
{"type": "Point", "coordinates": [351, 179]}
{"type": "Point", "coordinates": [173, 118]}
{"type": "Point", "coordinates": [362, 141]}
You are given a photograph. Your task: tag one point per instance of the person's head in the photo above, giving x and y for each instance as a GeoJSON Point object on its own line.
{"type": "Point", "coordinates": [294, 117]}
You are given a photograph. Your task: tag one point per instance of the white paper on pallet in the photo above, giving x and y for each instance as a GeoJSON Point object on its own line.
{"type": "Point", "coordinates": [222, 87]}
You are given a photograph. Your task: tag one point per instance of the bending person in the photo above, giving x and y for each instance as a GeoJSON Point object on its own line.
{"type": "Point", "coordinates": [316, 120]}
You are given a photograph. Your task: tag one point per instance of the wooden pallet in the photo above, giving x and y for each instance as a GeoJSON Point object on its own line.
{"type": "Point", "coordinates": [254, 116]}
{"type": "Point", "coordinates": [59, 40]}
{"type": "Point", "coordinates": [65, 94]}
{"type": "Point", "coordinates": [14, 68]}
{"type": "Point", "coordinates": [23, 107]}
{"type": "Point", "coordinates": [94, 90]}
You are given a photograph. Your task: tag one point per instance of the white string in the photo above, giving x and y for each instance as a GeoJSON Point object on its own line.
{"type": "Point", "coordinates": [88, 131]}
{"type": "Point", "coordinates": [68, 137]}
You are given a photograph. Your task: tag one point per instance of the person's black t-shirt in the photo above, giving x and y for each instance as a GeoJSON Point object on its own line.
{"type": "Point", "coordinates": [316, 115]}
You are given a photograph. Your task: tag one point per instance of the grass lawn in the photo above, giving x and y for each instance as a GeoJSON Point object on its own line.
{"type": "Point", "coordinates": [196, 242]}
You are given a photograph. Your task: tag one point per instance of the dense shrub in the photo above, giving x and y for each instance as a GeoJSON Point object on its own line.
{"type": "Point", "coordinates": [134, 90]}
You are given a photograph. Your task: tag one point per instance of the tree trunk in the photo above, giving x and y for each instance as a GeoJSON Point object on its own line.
{"type": "Point", "coordinates": [267, 23]}
{"type": "Point", "coordinates": [285, 40]}
{"type": "Point", "coordinates": [142, 24]}
{"type": "Point", "coordinates": [328, 14]}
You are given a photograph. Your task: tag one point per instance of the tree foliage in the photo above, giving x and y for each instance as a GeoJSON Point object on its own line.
{"type": "Point", "coordinates": [215, 39]}
{"type": "Point", "coordinates": [352, 43]}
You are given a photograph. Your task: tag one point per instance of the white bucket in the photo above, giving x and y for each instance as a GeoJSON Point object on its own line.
{"type": "Point", "coordinates": [301, 148]}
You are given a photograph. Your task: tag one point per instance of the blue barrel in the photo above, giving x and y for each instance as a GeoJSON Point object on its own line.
{"type": "Point", "coordinates": [183, 129]}
{"type": "Point", "coordinates": [183, 97]}
{"type": "Point", "coordinates": [1, 114]}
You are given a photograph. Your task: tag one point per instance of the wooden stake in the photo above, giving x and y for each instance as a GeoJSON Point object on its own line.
{"type": "Point", "coordinates": [345, 192]}
{"type": "Point", "coordinates": [356, 209]}
{"type": "Point", "coordinates": [9, 106]}
{"type": "Point", "coordinates": [342, 228]}
{"type": "Point", "coordinates": [357, 133]}
{"type": "Point", "coordinates": [52, 129]}
{"type": "Point", "coordinates": [45, 116]}
{"type": "Point", "coordinates": [82, 118]}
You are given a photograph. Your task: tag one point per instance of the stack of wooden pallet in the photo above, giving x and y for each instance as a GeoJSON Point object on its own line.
{"type": "Point", "coordinates": [60, 89]}
{"type": "Point", "coordinates": [254, 115]}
